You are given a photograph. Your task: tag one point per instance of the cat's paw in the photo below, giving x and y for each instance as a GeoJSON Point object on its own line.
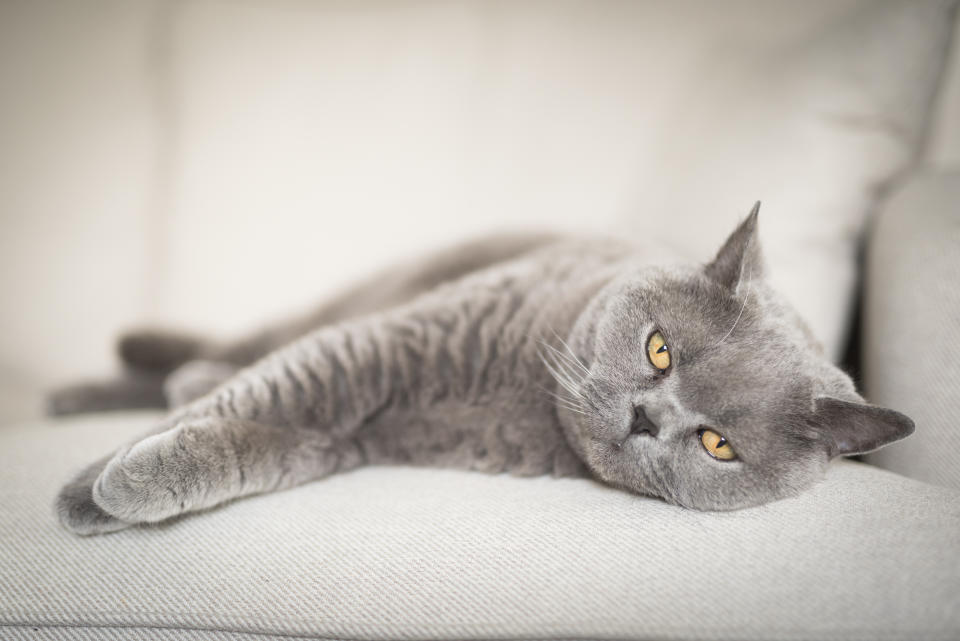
{"type": "Point", "coordinates": [138, 485]}
{"type": "Point", "coordinates": [188, 467]}
{"type": "Point", "coordinates": [77, 511]}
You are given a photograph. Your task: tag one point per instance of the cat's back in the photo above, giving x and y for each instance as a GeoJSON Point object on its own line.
{"type": "Point", "coordinates": [556, 269]}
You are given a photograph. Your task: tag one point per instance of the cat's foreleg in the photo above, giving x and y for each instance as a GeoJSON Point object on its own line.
{"type": "Point", "coordinates": [290, 418]}
{"type": "Point", "coordinates": [199, 462]}
{"type": "Point", "coordinates": [203, 462]}
{"type": "Point", "coordinates": [76, 509]}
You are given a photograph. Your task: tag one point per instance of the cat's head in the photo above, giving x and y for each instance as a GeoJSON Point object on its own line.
{"type": "Point", "coordinates": [702, 386]}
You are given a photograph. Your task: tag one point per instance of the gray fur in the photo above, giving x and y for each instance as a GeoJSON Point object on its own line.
{"type": "Point", "coordinates": [529, 360]}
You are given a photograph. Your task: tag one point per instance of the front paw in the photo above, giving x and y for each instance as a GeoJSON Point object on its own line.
{"type": "Point", "coordinates": [180, 470]}
{"type": "Point", "coordinates": [137, 484]}
{"type": "Point", "coordinates": [76, 509]}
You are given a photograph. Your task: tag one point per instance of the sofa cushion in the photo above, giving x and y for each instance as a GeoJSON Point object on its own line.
{"type": "Point", "coordinates": [911, 331]}
{"type": "Point", "coordinates": [390, 553]}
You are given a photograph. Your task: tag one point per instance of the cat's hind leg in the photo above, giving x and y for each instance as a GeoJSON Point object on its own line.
{"type": "Point", "coordinates": [194, 379]}
{"type": "Point", "coordinates": [136, 389]}
{"type": "Point", "coordinates": [132, 390]}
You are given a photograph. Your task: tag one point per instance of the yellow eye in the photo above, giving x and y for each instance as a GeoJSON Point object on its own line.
{"type": "Point", "coordinates": [657, 351]}
{"type": "Point", "coordinates": [716, 446]}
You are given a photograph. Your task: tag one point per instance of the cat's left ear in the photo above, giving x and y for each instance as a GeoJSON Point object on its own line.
{"type": "Point", "coordinates": [857, 428]}
{"type": "Point", "coordinates": [739, 260]}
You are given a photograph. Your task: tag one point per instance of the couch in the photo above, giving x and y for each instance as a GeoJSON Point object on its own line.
{"type": "Point", "coordinates": [871, 552]}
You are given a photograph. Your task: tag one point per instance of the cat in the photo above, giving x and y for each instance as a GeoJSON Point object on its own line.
{"type": "Point", "coordinates": [530, 355]}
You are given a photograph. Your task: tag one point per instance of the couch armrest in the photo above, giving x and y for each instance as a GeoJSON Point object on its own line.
{"type": "Point", "coordinates": [911, 331]}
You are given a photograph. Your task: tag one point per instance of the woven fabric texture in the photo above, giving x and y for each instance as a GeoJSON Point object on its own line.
{"type": "Point", "coordinates": [133, 633]}
{"type": "Point", "coordinates": [912, 324]}
{"type": "Point", "coordinates": [391, 553]}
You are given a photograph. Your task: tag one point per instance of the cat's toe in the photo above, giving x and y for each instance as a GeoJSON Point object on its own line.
{"type": "Point", "coordinates": [77, 511]}
{"type": "Point", "coordinates": [132, 486]}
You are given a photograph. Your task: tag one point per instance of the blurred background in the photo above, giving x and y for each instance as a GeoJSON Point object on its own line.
{"type": "Point", "coordinates": [212, 164]}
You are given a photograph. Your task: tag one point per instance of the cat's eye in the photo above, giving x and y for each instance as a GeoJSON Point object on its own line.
{"type": "Point", "coordinates": [658, 352]}
{"type": "Point", "coordinates": [716, 446]}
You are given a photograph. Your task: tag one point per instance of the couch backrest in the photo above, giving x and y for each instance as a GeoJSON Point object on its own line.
{"type": "Point", "coordinates": [943, 145]}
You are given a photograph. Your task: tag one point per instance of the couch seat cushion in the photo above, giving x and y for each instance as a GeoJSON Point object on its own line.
{"type": "Point", "coordinates": [391, 553]}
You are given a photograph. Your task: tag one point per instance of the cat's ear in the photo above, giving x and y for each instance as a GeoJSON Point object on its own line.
{"type": "Point", "coordinates": [856, 428]}
{"type": "Point", "coordinates": [739, 260]}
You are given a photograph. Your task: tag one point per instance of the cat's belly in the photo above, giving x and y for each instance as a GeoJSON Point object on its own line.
{"type": "Point", "coordinates": [526, 443]}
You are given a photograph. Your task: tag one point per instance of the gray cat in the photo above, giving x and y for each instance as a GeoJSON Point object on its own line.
{"type": "Point", "coordinates": [528, 355]}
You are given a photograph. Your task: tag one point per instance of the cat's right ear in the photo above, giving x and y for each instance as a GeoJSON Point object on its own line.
{"type": "Point", "coordinates": [739, 260]}
{"type": "Point", "coordinates": [848, 428]}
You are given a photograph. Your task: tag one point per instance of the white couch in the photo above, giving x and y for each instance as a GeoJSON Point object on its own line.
{"type": "Point", "coordinates": [370, 131]}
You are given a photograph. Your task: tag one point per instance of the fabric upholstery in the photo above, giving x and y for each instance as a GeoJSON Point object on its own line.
{"type": "Point", "coordinates": [394, 553]}
{"type": "Point", "coordinates": [911, 333]}
{"type": "Point", "coordinates": [943, 145]}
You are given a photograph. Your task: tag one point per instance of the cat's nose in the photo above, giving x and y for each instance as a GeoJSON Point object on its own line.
{"type": "Point", "coordinates": [642, 424]}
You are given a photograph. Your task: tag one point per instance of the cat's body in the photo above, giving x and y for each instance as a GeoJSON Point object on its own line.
{"type": "Point", "coordinates": [530, 356]}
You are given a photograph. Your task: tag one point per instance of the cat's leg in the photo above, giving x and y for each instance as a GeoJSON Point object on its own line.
{"type": "Point", "coordinates": [76, 509]}
{"type": "Point", "coordinates": [149, 355]}
{"type": "Point", "coordinates": [130, 390]}
{"type": "Point", "coordinates": [194, 379]}
{"type": "Point", "coordinates": [137, 389]}
{"type": "Point", "coordinates": [203, 462]}
{"type": "Point", "coordinates": [319, 393]}
{"type": "Point", "coordinates": [289, 418]}
{"type": "Point", "coordinates": [193, 462]}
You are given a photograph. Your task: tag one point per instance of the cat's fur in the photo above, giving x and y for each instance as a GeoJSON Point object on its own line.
{"type": "Point", "coordinates": [526, 356]}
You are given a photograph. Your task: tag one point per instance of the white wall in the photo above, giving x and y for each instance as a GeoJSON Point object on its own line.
{"type": "Point", "coordinates": [77, 161]}
{"type": "Point", "coordinates": [315, 142]}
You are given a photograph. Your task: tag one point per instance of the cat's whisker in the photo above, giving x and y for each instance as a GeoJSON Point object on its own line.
{"type": "Point", "coordinates": [563, 369]}
{"type": "Point", "coordinates": [568, 356]}
{"type": "Point", "coordinates": [573, 378]}
{"type": "Point", "coordinates": [569, 402]}
{"type": "Point", "coordinates": [564, 402]}
{"type": "Point", "coordinates": [567, 362]}
{"type": "Point", "coordinates": [560, 375]}
{"type": "Point", "coordinates": [571, 408]}
{"type": "Point", "coordinates": [573, 355]}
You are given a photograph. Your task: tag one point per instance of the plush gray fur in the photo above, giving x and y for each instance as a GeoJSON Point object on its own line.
{"type": "Point", "coordinates": [524, 355]}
